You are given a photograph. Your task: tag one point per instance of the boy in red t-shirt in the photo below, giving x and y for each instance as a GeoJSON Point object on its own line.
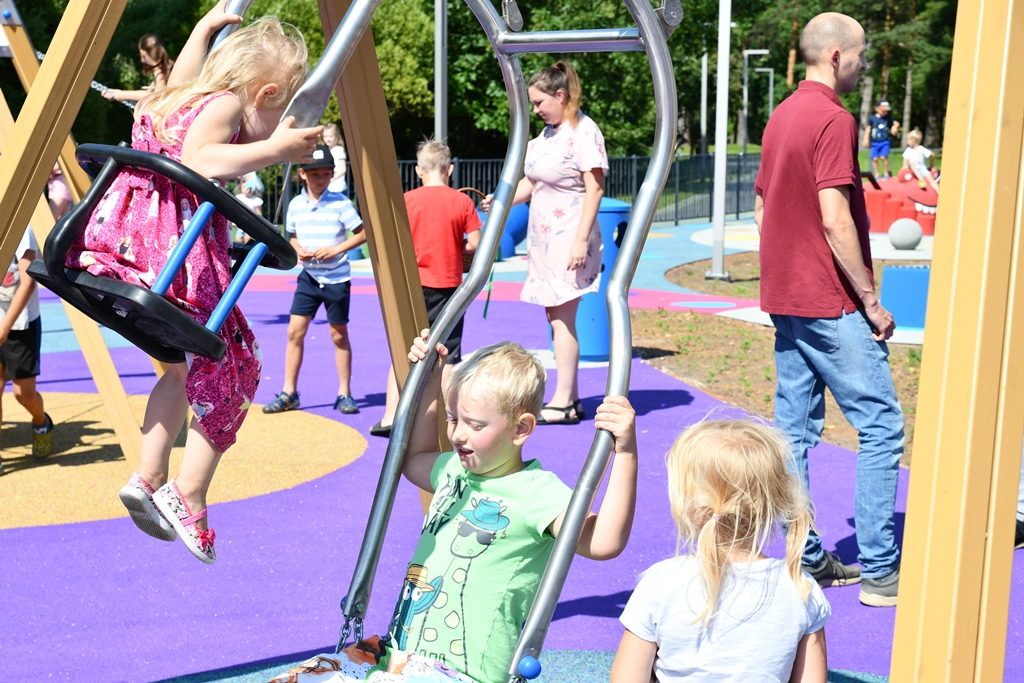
{"type": "Point", "coordinates": [444, 224]}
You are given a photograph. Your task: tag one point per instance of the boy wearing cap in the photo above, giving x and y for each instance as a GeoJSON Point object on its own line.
{"type": "Point", "coordinates": [880, 127]}
{"type": "Point", "coordinates": [318, 224]}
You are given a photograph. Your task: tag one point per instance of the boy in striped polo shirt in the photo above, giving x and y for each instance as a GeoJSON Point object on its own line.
{"type": "Point", "coordinates": [318, 223]}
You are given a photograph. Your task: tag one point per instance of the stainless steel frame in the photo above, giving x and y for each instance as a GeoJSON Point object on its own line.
{"type": "Point", "coordinates": [651, 33]}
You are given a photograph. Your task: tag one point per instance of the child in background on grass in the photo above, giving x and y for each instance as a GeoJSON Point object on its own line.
{"type": "Point", "coordinates": [723, 610]}
{"type": "Point", "coordinates": [221, 118]}
{"type": "Point", "coordinates": [491, 526]}
{"type": "Point", "coordinates": [915, 158]}
{"type": "Point", "coordinates": [20, 342]}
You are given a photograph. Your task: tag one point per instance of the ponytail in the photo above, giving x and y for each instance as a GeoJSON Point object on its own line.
{"type": "Point", "coordinates": [562, 77]}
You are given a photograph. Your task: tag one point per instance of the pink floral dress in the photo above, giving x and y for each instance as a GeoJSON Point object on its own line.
{"type": "Point", "coordinates": [129, 237]}
{"type": "Point", "coordinates": [555, 162]}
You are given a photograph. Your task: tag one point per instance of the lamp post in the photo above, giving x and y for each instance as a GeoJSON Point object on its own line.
{"type": "Point", "coordinates": [441, 70]}
{"type": "Point", "coordinates": [746, 54]}
{"type": "Point", "coordinates": [771, 87]}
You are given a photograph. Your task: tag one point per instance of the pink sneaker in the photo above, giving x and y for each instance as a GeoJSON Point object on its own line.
{"type": "Point", "coordinates": [172, 505]}
{"type": "Point", "coordinates": [137, 498]}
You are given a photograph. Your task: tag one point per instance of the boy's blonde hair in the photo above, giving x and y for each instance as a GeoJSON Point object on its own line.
{"type": "Point", "coordinates": [266, 51]}
{"type": "Point", "coordinates": [433, 155]}
{"type": "Point", "coordinates": [732, 485]}
{"type": "Point", "coordinates": [508, 372]}
{"type": "Point", "coordinates": [915, 135]}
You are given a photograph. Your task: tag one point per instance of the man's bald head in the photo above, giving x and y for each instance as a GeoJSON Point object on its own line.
{"type": "Point", "coordinates": [827, 32]}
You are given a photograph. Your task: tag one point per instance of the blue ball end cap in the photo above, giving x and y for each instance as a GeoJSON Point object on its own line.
{"type": "Point", "coordinates": [7, 14]}
{"type": "Point", "coordinates": [529, 667]}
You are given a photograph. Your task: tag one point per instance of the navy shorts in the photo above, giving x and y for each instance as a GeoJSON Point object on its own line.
{"type": "Point", "coordinates": [309, 294]}
{"type": "Point", "coordinates": [20, 353]}
{"type": "Point", "coordinates": [880, 149]}
{"type": "Point", "coordinates": [435, 298]}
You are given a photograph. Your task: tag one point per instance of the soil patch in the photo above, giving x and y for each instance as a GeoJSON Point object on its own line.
{"type": "Point", "coordinates": [734, 360]}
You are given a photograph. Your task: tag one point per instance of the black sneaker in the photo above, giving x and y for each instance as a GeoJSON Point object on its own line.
{"type": "Point", "coordinates": [832, 572]}
{"type": "Point", "coordinates": [1018, 540]}
{"type": "Point", "coordinates": [282, 402]}
{"type": "Point", "coordinates": [880, 592]}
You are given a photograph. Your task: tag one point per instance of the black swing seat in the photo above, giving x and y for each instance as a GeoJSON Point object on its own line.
{"type": "Point", "coordinates": [143, 317]}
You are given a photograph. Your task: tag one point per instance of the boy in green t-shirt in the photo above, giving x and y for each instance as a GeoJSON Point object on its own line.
{"type": "Point", "coordinates": [492, 522]}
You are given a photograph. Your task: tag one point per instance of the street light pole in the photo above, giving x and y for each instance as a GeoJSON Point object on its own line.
{"type": "Point", "coordinates": [747, 53]}
{"type": "Point", "coordinates": [703, 103]}
{"type": "Point", "coordinates": [441, 70]}
{"type": "Point", "coordinates": [771, 87]}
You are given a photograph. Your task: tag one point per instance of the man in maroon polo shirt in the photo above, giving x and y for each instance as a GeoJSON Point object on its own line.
{"type": "Point", "coordinates": [817, 285]}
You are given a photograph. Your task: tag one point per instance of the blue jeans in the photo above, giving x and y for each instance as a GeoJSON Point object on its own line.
{"type": "Point", "coordinates": [840, 353]}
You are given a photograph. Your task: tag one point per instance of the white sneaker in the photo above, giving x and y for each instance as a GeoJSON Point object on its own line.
{"type": "Point", "coordinates": [137, 498]}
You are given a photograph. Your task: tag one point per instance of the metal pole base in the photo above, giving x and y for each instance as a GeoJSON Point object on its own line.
{"type": "Point", "coordinates": [709, 275]}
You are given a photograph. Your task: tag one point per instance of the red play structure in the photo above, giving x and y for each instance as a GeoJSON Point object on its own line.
{"type": "Point", "coordinates": [900, 197]}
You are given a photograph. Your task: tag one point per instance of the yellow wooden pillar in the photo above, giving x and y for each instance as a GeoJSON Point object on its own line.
{"type": "Point", "coordinates": [42, 130]}
{"type": "Point", "coordinates": [26, 64]}
{"type": "Point", "coordinates": [371, 149]}
{"type": "Point", "coordinates": [955, 582]}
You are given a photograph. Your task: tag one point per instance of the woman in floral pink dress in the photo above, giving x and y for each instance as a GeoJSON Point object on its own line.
{"type": "Point", "coordinates": [565, 171]}
{"type": "Point", "coordinates": [219, 118]}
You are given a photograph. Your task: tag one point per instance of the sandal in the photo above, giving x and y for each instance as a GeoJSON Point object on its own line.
{"type": "Point", "coordinates": [137, 498]}
{"type": "Point", "coordinates": [571, 415]}
{"type": "Point", "coordinates": [172, 505]}
{"type": "Point", "coordinates": [282, 402]}
{"type": "Point", "coordinates": [380, 430]}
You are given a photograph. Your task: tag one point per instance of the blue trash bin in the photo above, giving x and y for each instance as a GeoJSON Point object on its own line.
{"type": "Point", "coordinates": [592, 315]}
{"type": "Point", "coordinates": [515, 229]}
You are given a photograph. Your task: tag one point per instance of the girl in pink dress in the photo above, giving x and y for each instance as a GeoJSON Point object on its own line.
{"type": "Point", "coordinates": [564, 182]}
{"type": "Point", "coordinates": [220, 118]}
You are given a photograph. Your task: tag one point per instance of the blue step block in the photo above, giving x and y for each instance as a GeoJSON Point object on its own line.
{"type": "Point", "coordinates": [905, 294]}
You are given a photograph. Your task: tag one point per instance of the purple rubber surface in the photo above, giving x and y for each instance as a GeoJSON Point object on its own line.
{"type": "Point", "coordinates": [100, 601]}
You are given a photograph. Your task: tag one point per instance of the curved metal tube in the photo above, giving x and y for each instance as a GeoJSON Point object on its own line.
{"type": "Point", "coordinates": [239, 7]}
{"type": "Point", "coordinates": [358, 598]}
{"type": "Point", "coordinates": [535, 630]}
{"type": "Point", "coordinates": [309, 103]}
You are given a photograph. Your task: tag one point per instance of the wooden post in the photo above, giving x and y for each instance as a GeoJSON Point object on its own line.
{"type": "Point", "coordinates": [94, 348]}
{"type": "Point", "coordinates": [372, 154]}
{"type": "Point", "coordinates": [31, 144]}
{"type": "Point", "coordinates": [955, 581]}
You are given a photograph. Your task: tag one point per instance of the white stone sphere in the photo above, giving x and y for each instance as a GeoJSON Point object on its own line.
{"type": "Point", "coordinates": [905, 233]}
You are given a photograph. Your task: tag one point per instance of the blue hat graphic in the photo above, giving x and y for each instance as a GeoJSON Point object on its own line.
{"type": "Point", "coordinates": [487, 515]}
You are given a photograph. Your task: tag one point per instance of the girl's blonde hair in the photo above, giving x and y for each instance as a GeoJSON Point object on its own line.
{"type": "Point", "coordinates": [333, 127]}
{"type": "Point", "coordinates": [512, 376]}
{"type": "Point", "coordinates": [562, 77]}
{"type": "Point", "coordinates": [732, 485]}
{"type": "Point", "coordinates": [266, 51]}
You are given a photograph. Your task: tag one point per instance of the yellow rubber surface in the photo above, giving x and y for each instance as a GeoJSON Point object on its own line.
{"type": "Point", "coordinates": [80, 480]}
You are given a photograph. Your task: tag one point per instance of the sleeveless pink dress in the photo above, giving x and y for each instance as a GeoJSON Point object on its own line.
{"type": "Point", "coordinates": [555, 162]}
{"type": "Point", "coordinates": [131, 233]}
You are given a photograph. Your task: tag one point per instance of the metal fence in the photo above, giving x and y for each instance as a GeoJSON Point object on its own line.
{"type": "Point", "coordinates": [687, 194]}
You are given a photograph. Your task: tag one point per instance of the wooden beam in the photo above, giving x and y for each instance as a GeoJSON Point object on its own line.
{"type": "Point", "coordinates": [94, 348]}
{"type": "Point", "coordinates": [371, 149]}
{"type": "Point", "coordinates": [50, 108]}
{"type": "Point", "coordinates": [31, 144]}
{"type": "Point", "coordinates": [955, 581]}
{"type": "Point", "coordinates": [26, 64]}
